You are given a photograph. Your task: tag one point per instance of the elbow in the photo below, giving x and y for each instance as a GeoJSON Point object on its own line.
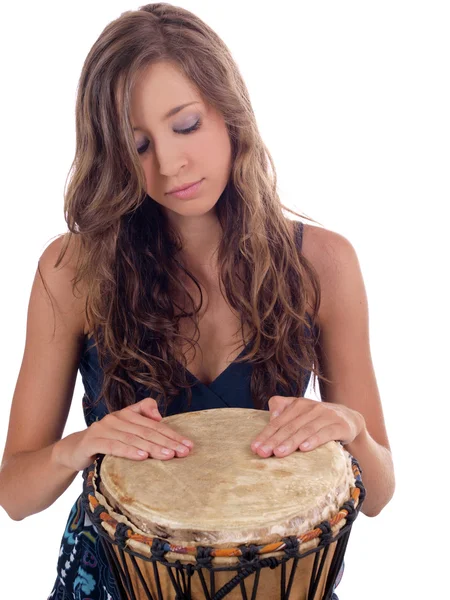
{"type": "Point", "coordinates": [375, 510]}
{"type": "Point", "coordinates": [16, 518]}
{"type": "Point", "coordinates": [13, 516]}
{"type": "Point", "coordinates": [10, 508]}
{"type": "Point", "coordinates": [371, 513]}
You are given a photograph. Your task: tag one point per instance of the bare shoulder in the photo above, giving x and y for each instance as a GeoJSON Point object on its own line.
{"type": "Point", "coordinates": [53, 346]}
{"type": "Point", "coordinates": [57, 281]}
{"type": "Point", "coordinates": [326, 249]}
{"type": "Point", "coordinates": [331, 254]}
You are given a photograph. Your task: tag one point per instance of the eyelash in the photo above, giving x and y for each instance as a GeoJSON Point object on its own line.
{"type": "Point", "coordinates": [143, 149]}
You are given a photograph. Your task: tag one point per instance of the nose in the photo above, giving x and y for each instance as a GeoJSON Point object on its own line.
{"type": "Point", "coordinates": [170, 161]}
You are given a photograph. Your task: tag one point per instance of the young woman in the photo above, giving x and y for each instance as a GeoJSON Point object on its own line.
{"type": "Point", "coordinates": [167, 302]}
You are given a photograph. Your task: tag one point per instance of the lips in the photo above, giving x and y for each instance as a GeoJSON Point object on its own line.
{"type": "Point", "coordinates": [183, 187]}
{"type": "Point", "coordinates": [189, 192]}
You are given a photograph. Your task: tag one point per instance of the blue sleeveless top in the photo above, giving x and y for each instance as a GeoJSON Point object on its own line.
{"type": "Point", "coordinates": [83, 572]}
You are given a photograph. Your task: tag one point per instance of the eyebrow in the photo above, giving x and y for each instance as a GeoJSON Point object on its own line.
{"type": "Point", "coordinates": [172, 111]}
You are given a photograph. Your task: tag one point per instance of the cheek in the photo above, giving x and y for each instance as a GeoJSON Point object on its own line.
{"type": "Point", "coordinates": [154, 186]}
{"type": "Point", "coordinates": [216, 156]}
{"type": "Point", "coordinates": [149, 181]}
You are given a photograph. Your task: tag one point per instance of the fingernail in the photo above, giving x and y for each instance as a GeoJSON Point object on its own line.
{"type": "Point", "coordinates": [266, 449]}
{"type": "Point", "coordinates": [256, 444]}
{"type": "Point", "coordinates": [155, 412]}
{"type": "Point", "coordinates": [187, 443]}
{"type": "Point", "coordinates": [166, 451]}
{"type": "Point", "coordinates": [282, 449]}
{"type": "Point", "coordinates": [305, 445]}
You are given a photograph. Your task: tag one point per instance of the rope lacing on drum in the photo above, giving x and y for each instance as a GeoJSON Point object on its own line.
{"type": "Point", "coordinates": [291, 549]}
{"type": "Point", "coordinates": [249, 552]}
{"type": "Point", "coordinates": [362, 489]}
{"type": "Point", "coordinates": [121, 534]}
{"type": "Point", "coordinates": [245, 571]}
{"type": "Point", "coordinates": [327, 535]}
{"type": "Point", "coordinates": [190, 569]}
{"type": "Point", "coordinates": [350, 508]}
{"type": "Point", "coordinates": [96, 513]}
{"type": "Point", "coordinates": [204, 556]}
{"type": "Point", "coordinates": [158, 548]}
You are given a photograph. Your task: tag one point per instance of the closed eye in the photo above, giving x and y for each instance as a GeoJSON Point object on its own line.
{"type": "Point", "coordinates": [144, 148]}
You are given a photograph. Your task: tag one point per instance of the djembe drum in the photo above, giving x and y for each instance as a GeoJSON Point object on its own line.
{"type": "Point", "coordinates": [222, 521]}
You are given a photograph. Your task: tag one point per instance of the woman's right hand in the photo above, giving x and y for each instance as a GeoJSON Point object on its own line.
{"type": "Point", "coordinates": [123, 433]}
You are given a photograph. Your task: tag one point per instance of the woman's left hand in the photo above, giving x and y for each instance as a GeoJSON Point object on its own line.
{"type": "Point", "coordinates": [295, 422]}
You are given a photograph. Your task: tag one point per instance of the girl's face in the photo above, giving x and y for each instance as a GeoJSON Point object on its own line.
{"type": "Point", "coordinates": [169, 157]}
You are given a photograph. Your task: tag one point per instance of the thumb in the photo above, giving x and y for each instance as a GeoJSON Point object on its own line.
{"type": "Point", "coordinates": [277, 404]}
{"type": "Point", "coordinates": [147, 407]}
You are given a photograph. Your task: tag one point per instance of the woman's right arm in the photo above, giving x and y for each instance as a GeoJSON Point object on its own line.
{"type": "Point", "coordinates": [30, 477]}
{"type": "Point", "coordinates": [37, 465]}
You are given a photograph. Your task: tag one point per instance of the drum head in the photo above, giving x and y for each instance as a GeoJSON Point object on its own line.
{"type": "Point", "coordinates": [223, 494]}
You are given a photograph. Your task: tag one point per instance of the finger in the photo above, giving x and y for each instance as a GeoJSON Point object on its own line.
{"type": "Point", "coordinates": [328, 433]}
{"type": "Point", "coordinates": [147, 407]}
{"type": "Point", "coordinates": [162, 428]}
{"type": "Point", "coordinates": [281, 428]}
{"type": "Point", "coordinates": [154, 444]}
{"type": "Point", "coordinates": [293, 433]}
{"type": "Point", "coordinates": [308, 439]}
{"type": "Point", "coordinates": [286, 441]}
{"type": "Point", "coordinates": [277, 404]}
{"type": "Point", "coordinates": [118, 448]}
{"type": "Point", "coordinates": [157, 434]}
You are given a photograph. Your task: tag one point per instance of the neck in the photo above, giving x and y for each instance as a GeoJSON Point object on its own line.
{"type": "Point", "coordinates": [200, 237]}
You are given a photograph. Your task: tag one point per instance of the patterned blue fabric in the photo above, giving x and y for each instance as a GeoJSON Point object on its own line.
{"type": "Point", "coordinates": [82, 568]}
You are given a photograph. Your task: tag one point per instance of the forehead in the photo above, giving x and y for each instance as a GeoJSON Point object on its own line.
{"type": "Point", "coordinates": [157, 89]}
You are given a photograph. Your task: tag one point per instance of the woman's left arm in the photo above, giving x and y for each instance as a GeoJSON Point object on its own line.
{"type": "Point", "coordinates": [345, 359]}
{"type": "Point", "coordinates": [350, 410]}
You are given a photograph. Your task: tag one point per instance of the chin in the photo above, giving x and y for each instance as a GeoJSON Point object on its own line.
{"type": "Point", "coordinates": [191, 209]}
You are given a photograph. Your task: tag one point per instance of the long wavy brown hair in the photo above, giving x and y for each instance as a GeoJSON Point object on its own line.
{"type": "Point", "coordinates": [126, 242]}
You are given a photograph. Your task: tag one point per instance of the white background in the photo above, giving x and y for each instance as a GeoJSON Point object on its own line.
{"type": "Point", "coordinates": [352, 99]}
